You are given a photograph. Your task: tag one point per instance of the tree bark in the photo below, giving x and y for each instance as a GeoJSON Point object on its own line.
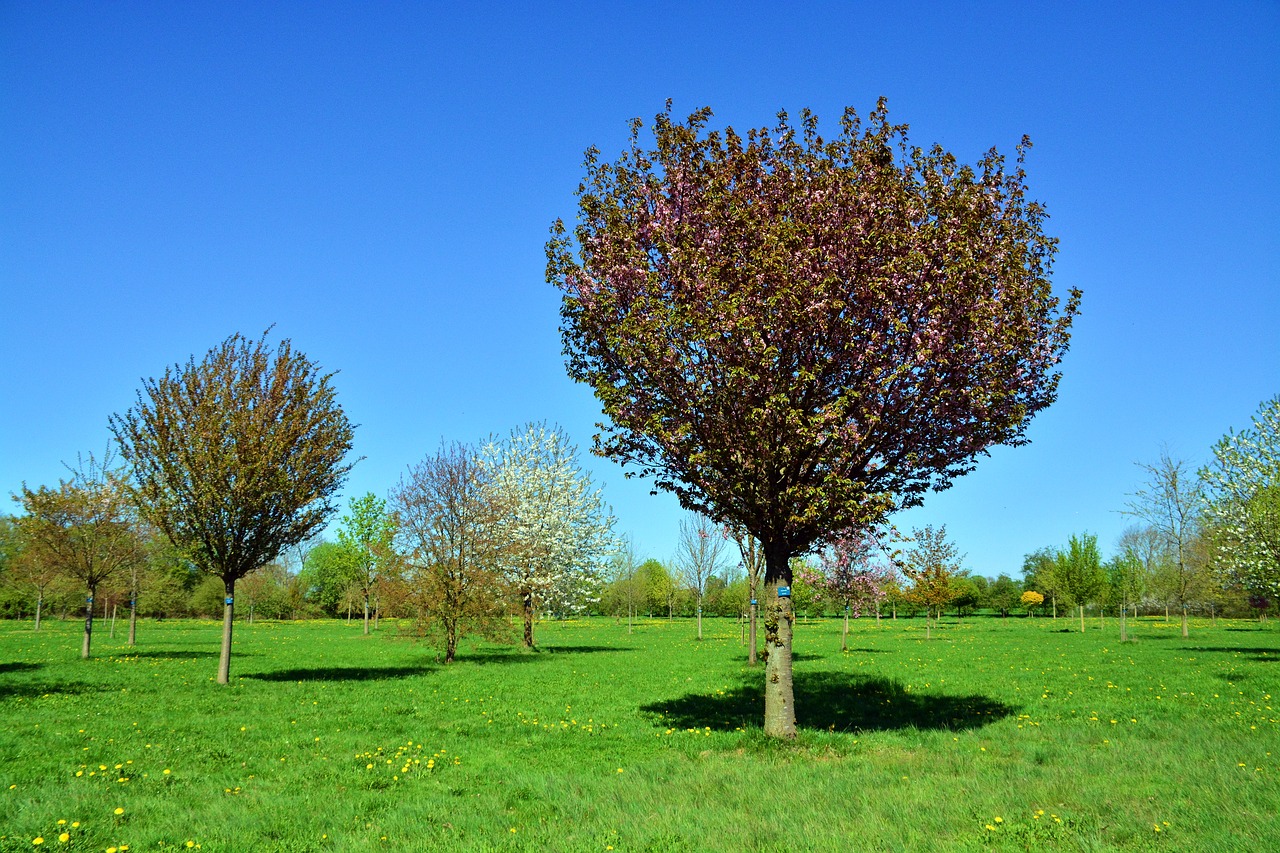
{"type": "Point", "coordinates": [1124, 630]}
{"type": "Point", "coordinates": [366, 614]}
{"type": "Point", "coordinates": [844, 639]}
{"type": "Point", "coordinates": [753, 639]}
{"type": "Point", "coordinates": [1081, 606]}
{"type": "Point", "coordinates": [39, 607]}
{"type": "Point", "coordinates": [88, 624]}
{"type": "Point", "coordinates": [699, 618]}
{"type": "Point", "coordinates": [528, 620]}
{"type": "Point", "coordinates": [779, 687]}
{"type": "Point", "coordinates": [113, 620]}
{"type": "Point", "coordinates": [133, 619]}
{"type": "Point", "coordinates": [228, 612]}
{"type": "Point", "coordinates": [1185, 632]}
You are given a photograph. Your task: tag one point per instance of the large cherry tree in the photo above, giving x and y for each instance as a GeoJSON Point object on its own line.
{"type": "Point", "coordinates": [798, 335]}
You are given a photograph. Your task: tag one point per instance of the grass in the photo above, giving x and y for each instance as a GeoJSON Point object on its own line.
{"type": "Point", "coordinates": [996, 734]}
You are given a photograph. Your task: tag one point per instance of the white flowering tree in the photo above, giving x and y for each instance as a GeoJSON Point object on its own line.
{"type": "Point", "coordinates": [559, 530]}
{"type": "Point", "coordinates": [1243, 507]}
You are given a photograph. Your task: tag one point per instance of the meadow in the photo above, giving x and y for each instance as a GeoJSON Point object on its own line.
{"type": "Point", "coordinates": [997, 734]}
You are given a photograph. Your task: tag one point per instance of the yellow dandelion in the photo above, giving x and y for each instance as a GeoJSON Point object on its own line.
{"type": "Point", "coordinates": [38, 840]}
{"type": "Point", "coordinates": [119, 810]}
{"type": "Point", "coordinates": [64, 837]}
{"type": "Point", "coordinates": [999, 819]}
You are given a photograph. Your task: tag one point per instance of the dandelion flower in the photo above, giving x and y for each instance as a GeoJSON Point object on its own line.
{"type": "Point", "coordinates": [64, 837]}
{"type": "Point", "coordinates": [38, 840]}
{"type": "Point", "coordinates": [119, 810]}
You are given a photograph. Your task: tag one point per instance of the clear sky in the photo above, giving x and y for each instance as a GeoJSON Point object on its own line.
{"type": "Point", "coordinates": [377, 180]}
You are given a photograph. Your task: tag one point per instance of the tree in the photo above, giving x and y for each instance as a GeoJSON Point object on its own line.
{"type": "Point", "coordinates": [797, 335]}
{"type": "Point", "coordinates": [931, 564]}
{"type": "Point", "coordinates": [24, 570]}
{"type": "Point", "coordinates": [1242, 486]}
{"type": "Point", "coordinates": [753, 567]}
{"type": "Point", "coordinates": [1004, 595]}
{"type": "Point", "coordinates": [329, 576]}
{"type": "Point", "coordinates": [85, 527]}
{"type": "Point", "coordinates": [559, 529]}
{"type": "Point", "coordinates": [1126, 577]}
{"type": "Point", "coordinates": [367, 533]}
{"type": "Point", "coordinates": [237, 458]}
{"type": "Point", "coordinates": [626, 584]}
{"type": "Point", "coordinates": [451, 536]}
{"type": "Point", "coordinates": [698, 559]}
{"type": "Point", "coordinates": [658, 587]}
{"type": "Point", "coordinates": [850, 576]}
{"type": "Point", "coordinates": [1037, 575]}
{"type": "Point", "coordinates": [1078, 572]}
{"type": "Point", "coordinates": [1171, 502]}
{"type": "Point", "coordinates": [1031, 600]}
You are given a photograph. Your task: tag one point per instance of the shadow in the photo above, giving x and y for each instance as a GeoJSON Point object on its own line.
{"type": "Point", "coordinates": [1231, 677]}
{"type": "Point", "coordinates": [1259, 627]}
{"type": "Point", "coordinates": [1251, 650]}
{"type": "Point", "coordinates": [851, 650]}
{"type": "Point", "coordinates": [585, 650]}
{"type": "Point", "coordinates": [342, 673]}
{"type": "Point", "coordinates": [19, 666]}
{"type": "Point", "coordinates": [180, 655]}
{"type": "Point", "coordinates": [831, 701]}
{"type": "Point", "coordinates": [36, 689]}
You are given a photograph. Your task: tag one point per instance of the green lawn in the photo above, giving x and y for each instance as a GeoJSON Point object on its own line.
{"type": "Point", "coordinates": [1001, 734]}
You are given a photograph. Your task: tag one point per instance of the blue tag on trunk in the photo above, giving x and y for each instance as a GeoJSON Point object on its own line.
{"type": "Point", "coordinates": [784, 592]}
{"type": "Point", "coordinates": [228, 599]}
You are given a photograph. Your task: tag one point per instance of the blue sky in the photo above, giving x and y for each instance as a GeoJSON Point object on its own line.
{"type": "Point", "coordinates": [377, 180]}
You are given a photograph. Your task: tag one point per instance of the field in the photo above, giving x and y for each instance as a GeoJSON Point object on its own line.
{"type": "Point", "coordinates": [996, 734]}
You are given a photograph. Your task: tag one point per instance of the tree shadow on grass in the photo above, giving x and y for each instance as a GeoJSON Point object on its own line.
{"type": "Point", "coordinates": [832, 701]}
{"type": "Point", "coordinates": [523, 655]}
{"type": "Point", "coordinates": [19, 666]}
{"type": "Point", "coordinates": [187, 655]}
{"type": "Point", "coordinates": [1264, 655]}
{"type": "Point", "coordinates": [341, 673]}
{"type": "Point", "coordinates": [37, 689]}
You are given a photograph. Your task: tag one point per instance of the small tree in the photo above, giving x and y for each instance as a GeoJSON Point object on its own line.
{"type": "Point", "coordinates": [850, 575]}
{"type": "Point", "coordinates": [753, 566]}
{"type": "Point", "coordinates": [1171, 502]}
{"type": "Point", "coordinates": [1031, 600]}
{"type": "Point", "coordinates": [558, 527]}
{"type": "Point", "coordinates": [24, 569]}
{"type": "Point", "coordinates": [699, 547]}
{"type": "Point", "coordinates": [1004, 595]}
{"type": "Point", "coordinates": [450, 536]}
{"type": "Point", "coordinates": [85, 527]}
{"type": "Point", "coordinates": [930, 564]}
{"type": "Point", "coordinates": [237, 458]}
{"type": "Point", "coordinates": [366, 534]}
{"type": "Point", "coordinates": [1078, 572]}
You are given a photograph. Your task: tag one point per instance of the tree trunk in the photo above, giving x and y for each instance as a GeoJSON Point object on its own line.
{"type": "Point", "coordinates": [630, 616]}
{"type": "Point", "coordinates": [39, 607]}
{"type": "Point", "coordinates": [1124, 630]}
{"type": "Point", "coordinates": [528, 620]}
{"type": "Point", "coordinates": [366, 614]}
{"type": "Point", "coordinates": [1081, 606]}
{"type": "Point", "coordinates": [753, 640]}
{"type": "Point", "coordinates": [779, 689]}
{"type": "Point", "coordinates": [1166, 613]}
{"type": "Point", "coordinates": [377, 611]}
{"type": "Point", "coordinates": [1054, 600]}
{"type": "Point", "coordinates": [844, 639]}
{"type": "Point", "coordinates": [113, 621]}
{"type": "Point", "coordinates": [228, 612]}
{"type": "Point", "coordinates": [1101, 618]}
{"type": "Point", "coordinates": [133, 619]}
{"type": "Point", "coordinates": [699, 618]}
{"type": "Point", "coordinates": [1185, 633]}
{"type": "Point", "coordinates": [926, 623]}
{"type": "Point", "coordinates": [88, 623]}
